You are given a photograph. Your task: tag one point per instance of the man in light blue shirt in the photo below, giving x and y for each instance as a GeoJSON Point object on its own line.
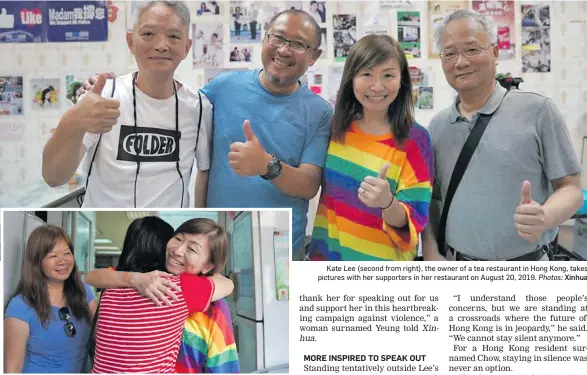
{"type": "Point", "coordinates": [270, 132]}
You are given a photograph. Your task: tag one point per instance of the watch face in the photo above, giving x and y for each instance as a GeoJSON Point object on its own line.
{"type": "Point", "coordinates": [274, 168]}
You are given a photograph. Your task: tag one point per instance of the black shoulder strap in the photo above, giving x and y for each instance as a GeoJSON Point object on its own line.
{"type": "Point", "coordinates": [199, 121]}
{"type": "Point", "coordinates": [458, 172]}
{"type": "Point", "coordinates": [97, 144]}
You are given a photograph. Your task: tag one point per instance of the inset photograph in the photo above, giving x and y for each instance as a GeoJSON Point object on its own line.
{"type": "Point", "coordinates": [146, 291]}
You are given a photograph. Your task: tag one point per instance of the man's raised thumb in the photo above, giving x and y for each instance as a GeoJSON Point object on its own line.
{"type": "Point", "coordinates": [99, 85]}
{"type": "Point", "coordinates": [249, 135]}
{"type": "Point", "coordinates": [526, 193]}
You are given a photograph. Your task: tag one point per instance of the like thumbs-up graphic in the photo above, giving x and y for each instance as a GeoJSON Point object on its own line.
{"type": "Point", "coordinates": [529, 218]}
{"type": "Point", "coordinates": [248, 158]}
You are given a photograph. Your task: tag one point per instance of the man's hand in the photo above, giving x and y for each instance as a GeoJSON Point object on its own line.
{"type": "Point", "coordinates": [375, 192]}
{"type": "Point", "coordinates": [155, 286]}
{"type": "Point", "coordinates": [529, 218]}
{"type": "Point", "coordinates": [98, 114]}
{"type": "Point", "coordinates": [87, 85]}
{"type": "Point", "coordinates": [249, 158]}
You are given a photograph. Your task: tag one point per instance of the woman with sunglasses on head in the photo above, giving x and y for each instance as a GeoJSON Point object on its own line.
{"type": "Point", "coordinates": [47, 323]}
{"type": "Point", "coordinates": [132, 333]}
{"type": "Point", "coordinates": [376, 185]}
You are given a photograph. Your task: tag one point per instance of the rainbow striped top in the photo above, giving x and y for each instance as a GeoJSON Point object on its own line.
{"type": "Point", "coordinates": [208, 344]}
{"type": "Point", "coordinates": [345, 228]}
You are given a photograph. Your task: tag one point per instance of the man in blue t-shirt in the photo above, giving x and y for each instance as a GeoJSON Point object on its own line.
{"type": "Point", "coordinates": [270, 132]}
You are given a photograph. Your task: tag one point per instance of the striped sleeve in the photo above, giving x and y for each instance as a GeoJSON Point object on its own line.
{"type": "Point", "coordinates": [414, 190]}
{"type": "Point", "coordinates": [197, 291]}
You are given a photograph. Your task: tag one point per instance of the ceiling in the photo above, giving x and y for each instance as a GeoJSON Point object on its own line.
{"type": "Point", "coordinates": [113, 224]}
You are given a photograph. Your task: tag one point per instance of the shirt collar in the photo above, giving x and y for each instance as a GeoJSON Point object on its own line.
{"type": "Point", "coordinates": [488, 108]}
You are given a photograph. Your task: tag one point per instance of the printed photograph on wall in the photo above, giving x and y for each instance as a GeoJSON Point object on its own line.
{"type": "Point", "coordinates": [11, 96]}
{"type": "Point", "coordinates": [503, 13]}
{"type": "Point", "coordinates": [425, 97]}
{"type": "Point", "coordinates": [317, 10]}
{"type": "Point", "coordinates": [396, 4]}
{"type": "Point", "coordinates": [408, 33]}
{"type": "Point", "coordinates": [323, 44]}
{"type": "Point", "coordinates": [344, 35]}
{"type": "Point", "coordinates": [535, 38]}
{"type": "Point", "coordinates": [293, 5]}
{"type": "Point", "coordinates": [334, 79]}
{"type": "Point", "coordinates": [240, 53]}
{"type": "Point", "coordinates": [72, 83]}
{"type": "Point", "coordinates": [45, 93]}
{"type": "Point", "coordinates": [437, 11]}
{"type": "Point", "coordinates": [208, 8]}
{"type": "Point", "coordinates": [207, 51]}
{"type": "Point", "coordinates": [244, 24]}
{"type": "Point", "coordinates": [268, 10]}
{"type": "Point", "coordinates": [376, 22]}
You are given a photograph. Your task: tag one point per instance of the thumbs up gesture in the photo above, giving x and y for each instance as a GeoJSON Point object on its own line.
{"type": "Point", "coordinates": [248, 158]}
{"type": "Point", "coordinates": [375, 192]}
{"type": "Point", "coordinates": [529, 218]}
{"type": "Point", "coordinates": [95, 113]}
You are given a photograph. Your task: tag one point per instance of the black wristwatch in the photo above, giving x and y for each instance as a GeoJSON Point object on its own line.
{"type": "Point", "coordinates": [273, 168]}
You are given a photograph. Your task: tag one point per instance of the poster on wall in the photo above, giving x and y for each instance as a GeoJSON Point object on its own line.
{"type": "Point", "coordinates": [376, 22]}
{"type": "Point", "coordinates": [323, 44]}
{"type": "Point", "coordinates": [281, 252]}
{"type": "Point", "coordinates": [535, 38]}
{"type": "Point", "coordinates": [334, 79]}
{"type": "Point", "coordinates": [317, 9]}
{"type": "Point", "coordinates": [425, 97]}
{"type": "Point", "coordinates": [209, 8]}
{"type": "Point", "coordinates": [207, 42]}
{"type": "Point", "coordinates": [11, 96]}
{"type": "Point", "coordinates": [240, 54]}
{"type": "Point", "coordinates": [408, 33]}
{"type": "Point", "coordinates": [268, 10]}
{"type": "Point", "coordinates": [11, 130]}
{"type": "Point", "coordinates": [77, 21]}
{"type": "Point", "coordinates": [72, 83]}
{"type": "Point", "coordinates": [503, 13]}
{"type": "Point", "coordinates": [45, 93]}
{"type": "Point", "coordinates": [244, 22]}
{"type": "Point", "coordinates": [344, 35]}
{"type": "Point", "coordinates": [22, 22]}
{"type": "Point", "coordinates": [438, 11]}
{"type": "Point", "coordinates": [397, 4]}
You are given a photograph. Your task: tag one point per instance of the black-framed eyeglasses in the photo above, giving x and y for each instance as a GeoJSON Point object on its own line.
{"type": "Point", "coordinates": [451, 54]}
{"type": "Point", "coordinates": [68, 327]}
{"type": "Point", "coordinates": [295, 46]}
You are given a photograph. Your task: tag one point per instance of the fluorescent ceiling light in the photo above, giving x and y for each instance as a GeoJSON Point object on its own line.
{"type": "Point", "coordinates": [107, 248]}
{"type": "Point", "coordinates": [102, 241]}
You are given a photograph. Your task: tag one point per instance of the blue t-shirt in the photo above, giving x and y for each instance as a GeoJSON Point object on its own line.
{"type": "Point", "coordinates": [50, 350]}
{"type": "Point", "coordinates": [295, 127]}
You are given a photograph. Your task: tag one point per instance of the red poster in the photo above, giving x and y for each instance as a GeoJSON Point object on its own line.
{"type": "Point", "coordinates": [503, 14]}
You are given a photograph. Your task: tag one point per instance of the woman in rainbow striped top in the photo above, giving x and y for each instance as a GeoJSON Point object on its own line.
{"type": "Point", "coordinates": [377, 180]}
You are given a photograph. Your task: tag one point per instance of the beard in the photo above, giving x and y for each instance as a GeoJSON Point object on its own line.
{"type": "Point", "coordinates": [280, 81]}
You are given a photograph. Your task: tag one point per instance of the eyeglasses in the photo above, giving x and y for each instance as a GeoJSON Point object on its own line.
{"type": "Point", "coordinates": [68, 327]}
{"type": "Point", "coordinates": [469, 51]}
{"type": "Point", "coordinates": [294, 46]}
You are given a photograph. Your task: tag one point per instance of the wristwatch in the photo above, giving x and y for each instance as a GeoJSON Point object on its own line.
{"type": "Point", "coordinates": [273, 168]}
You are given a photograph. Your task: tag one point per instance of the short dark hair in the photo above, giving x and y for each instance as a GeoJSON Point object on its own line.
{"type": "Point", "coordinates": [367, 52]}
{"type": "Point", "coordinates": [144, 245]}
{"type": "Point", "coordinates": [217, 240]}
{"type": "Point", "coordinates": [307, 17]}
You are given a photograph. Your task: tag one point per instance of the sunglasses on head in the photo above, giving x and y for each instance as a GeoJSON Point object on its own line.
{"type": "Point", "coordinates": [68, 327]}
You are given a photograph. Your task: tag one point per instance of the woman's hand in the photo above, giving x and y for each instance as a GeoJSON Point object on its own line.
{"type": "Point", "coordinates": [375, 192]}
{"type": "Point", "coordinates": [154, 285]}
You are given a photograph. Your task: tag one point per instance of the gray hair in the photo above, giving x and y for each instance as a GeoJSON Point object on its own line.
{"type": "Point", "coordinates": [179, 7]}
{"type": "Point", "coordinates": [485, 22]}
